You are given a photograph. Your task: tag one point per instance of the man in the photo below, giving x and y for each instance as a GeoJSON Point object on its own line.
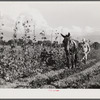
{"type": "Point", "coordinates": [44, 55]}
{"type": "Point", "coordinates": [85, 50]}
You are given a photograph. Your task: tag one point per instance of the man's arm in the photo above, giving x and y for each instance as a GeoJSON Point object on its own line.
{"type": "Point", "coordinates": [88, 48]}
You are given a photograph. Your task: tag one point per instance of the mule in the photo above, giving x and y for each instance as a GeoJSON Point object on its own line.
{"type": "Point", "coordinates": [71, 50]}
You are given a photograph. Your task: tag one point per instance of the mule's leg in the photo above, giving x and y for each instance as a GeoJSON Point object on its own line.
{"type": "Point", "coordinates": [68, 58]}
{"type": "Point", "coordinates": [68, 62]}
{"type": "Point", "coordinates": [76, 60]}
{"type": "Point", "coordinates": [72, 61]}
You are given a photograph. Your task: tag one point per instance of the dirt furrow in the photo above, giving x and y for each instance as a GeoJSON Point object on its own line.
{"type": "Point", "coordinates": [77, 80]}
{"type": "Point", "coordinates": [45, 80]}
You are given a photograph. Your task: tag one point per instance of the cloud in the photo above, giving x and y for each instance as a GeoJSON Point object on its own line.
{"type": "Point", "coordinates": [38, 20]}
{"type": "Point", "coordinates": [19, 11]}
{"type": "Point", "coordinates": [76, 29]}
{"type": "Point", "coordinates": [89, 29]}
{"type": "Point", "coordinates": [12, 12]}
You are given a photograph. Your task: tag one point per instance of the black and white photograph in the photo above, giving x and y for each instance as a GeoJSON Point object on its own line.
{"type": "Point", "coordinates": [50, 45]}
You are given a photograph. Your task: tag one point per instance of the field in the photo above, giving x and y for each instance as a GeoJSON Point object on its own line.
{"type": "Point", "coordinates": [24, 69]}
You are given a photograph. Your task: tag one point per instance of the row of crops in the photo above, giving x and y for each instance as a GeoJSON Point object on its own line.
{"type": "Point", "coordinates": [25, 59]}
{"type": "Point", "coordinates": [17, 62]}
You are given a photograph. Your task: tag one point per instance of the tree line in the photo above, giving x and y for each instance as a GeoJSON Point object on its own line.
{"type": "Point", "coordinates": [95, 45]}
{"type": "Point", "coordinates": [30, 42]}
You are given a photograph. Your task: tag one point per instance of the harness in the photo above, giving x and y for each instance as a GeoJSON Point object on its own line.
{"type": "Point", "coordinates": [73, 42]}
{"type": "Point", "coordinates": [72, 47]}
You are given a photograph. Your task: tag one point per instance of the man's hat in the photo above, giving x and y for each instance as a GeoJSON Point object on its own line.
{"type": "Point", "coordinates": [83, 40]}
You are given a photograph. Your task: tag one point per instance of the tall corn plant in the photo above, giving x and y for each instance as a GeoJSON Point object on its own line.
{"type": "Point", "coordinates": [15, 34]}
{"type": "Point", "coordinates": [14, 40]}
{"type": "Point", "coordinates": [56, 38]}
{"type": "Point", "coordinates": [1, 34]}
{"type": "Point", "coordinates": [43, 37]}
{"type": "Point", "coordinates": [2, 46]}
{"type": "Point", "coordinates": [27, 25]}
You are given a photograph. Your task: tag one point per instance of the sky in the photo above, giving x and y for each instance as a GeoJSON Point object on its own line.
{"type": "Point", "coordinates": [81, 19]}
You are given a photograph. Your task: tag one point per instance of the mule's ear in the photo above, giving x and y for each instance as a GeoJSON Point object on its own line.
{"type": "Point", "coordinates": [68, 34]}
{"type": "Point", "coordinates": [62, 35]}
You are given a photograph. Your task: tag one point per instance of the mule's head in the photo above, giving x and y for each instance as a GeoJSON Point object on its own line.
{"type": "Point", "coordinates": [66, 41]}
